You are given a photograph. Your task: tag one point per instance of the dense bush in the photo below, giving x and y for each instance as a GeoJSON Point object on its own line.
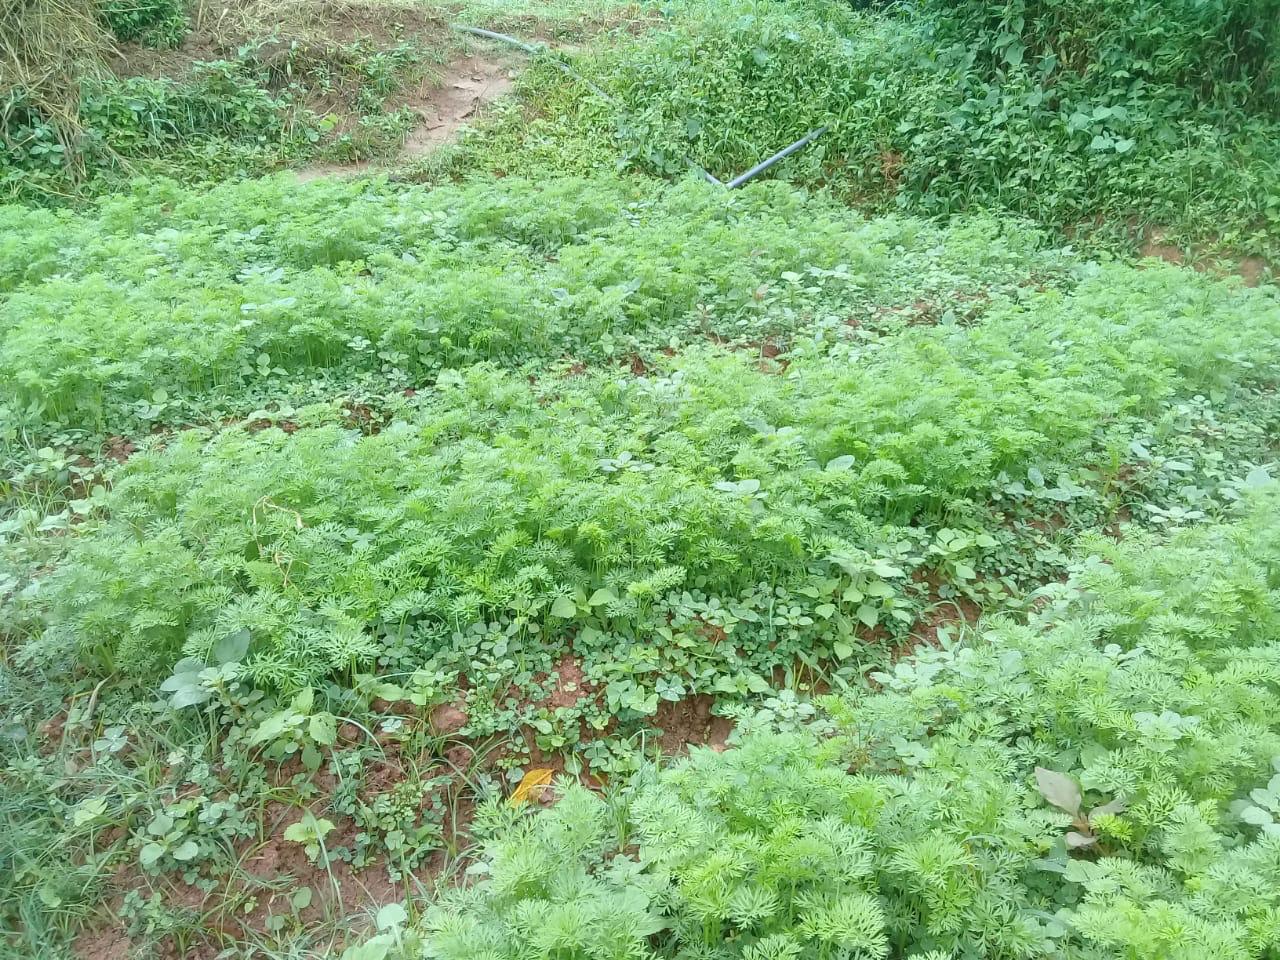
{"type": "Point", "coordinates": [1221, 53]}
{"type": "Point", "coordinates": [1097, 784]}
{"type": "Point", "coordinates": [942, 108]}
{"type": "Point", "coordinates": [220, 120]}
{"type": "Point", "coordinates": [157, 23]}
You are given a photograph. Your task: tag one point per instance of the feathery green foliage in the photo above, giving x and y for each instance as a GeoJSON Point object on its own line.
{"type": "Point", "coordinates": [422, 492]}
{"type": "Point", "coordinates": [114, 319]}
{"type": "Point", "coordinates": [493, 520]}
{"type": "Point", "coordinates": [1084, 786]}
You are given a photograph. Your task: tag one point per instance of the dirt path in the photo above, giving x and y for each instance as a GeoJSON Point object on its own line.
{"type": "Point", "coordinates": [445, 108]}
{"type": "Point", "coordinates": [467, 86]}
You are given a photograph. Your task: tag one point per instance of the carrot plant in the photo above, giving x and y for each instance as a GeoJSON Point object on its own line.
{"type": "Point", "coordinates": [687, 531]}
{"type": "Point", "coordinates": [187, 300]}
{"type": "Point", "coordinates": [932, 815]}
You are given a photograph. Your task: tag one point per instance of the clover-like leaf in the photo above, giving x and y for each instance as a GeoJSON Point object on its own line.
{"type": "Point", "coordinates": [150, 853]}
{"type": "Point", "coordinates": [186, 850]}
{"type": "Point", "coordinates": [272, 727]}
{"type": "Point", "coordinates": [841, 463]}
{"type": "Point", "coordinates": [191, 696]}
{"type": "Point", "coordinates": [309, 828]}
{"type": "Point", "coordinates": [1076, 840]}
{"type": "Point", "coordinates": [601, 597]}
{"type": "Point", "coordinates": [1111, 808]}
{"type": "Point", "coordinates": [323, 728]}
{"type": "Point", "coordinates": [88, 810]}
{"type": "Point", "coordinates": [1084, 871]}
{"type": "Point", "coordinates": [160, 824]}
{"type": "Point", "coordinates": [391, 916]}
{"type": "Point", "coordinates": [232, 647]}
{"type": "Point", "coordinates": [1255, 815]}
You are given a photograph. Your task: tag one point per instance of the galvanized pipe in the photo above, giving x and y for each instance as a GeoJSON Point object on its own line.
{"type": "Point", "coordinates": [782, 154]}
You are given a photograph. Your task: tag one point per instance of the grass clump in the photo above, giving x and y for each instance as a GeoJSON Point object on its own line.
{"type": "Point", "coordinates": [47, 48]}
{"type": "Point", "coordinates": [241, 102]}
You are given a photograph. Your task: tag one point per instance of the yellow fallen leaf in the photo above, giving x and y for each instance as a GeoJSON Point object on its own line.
{"type": "Point", "coordinates": [529, 784]}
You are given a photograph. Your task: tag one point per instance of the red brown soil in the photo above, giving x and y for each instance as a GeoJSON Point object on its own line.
{"type": "Point", "coordinates": [1252, 270]}
{"type": "Point", "coordinates": [360, 416]}
{"type": "Point", "coordinates": [689, 722]}
{"type": "Point", "coordinates": [257, 426]}
{"type": "Point", "coordinates": [275, 870]}
{"type": "Point", "coordinates": [571, 685]}
{"type": "Point", "coordinates": [102, 943]}
{"type": "Point", "coordinates": [448, 718]}
{"type": "Point", "coordinates": [960, 611]}
{"type": "Point", "coordinates": [118, 449]}
{"type": "Point", "coordinates": [445, 104]}
{"type": "Point", "coordinates": [310, 31]}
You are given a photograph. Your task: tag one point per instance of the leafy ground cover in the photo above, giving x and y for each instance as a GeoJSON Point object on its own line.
{"type": "Point", "coordinates": [165, 303]}
{"type": "Point", "coordinates": [500, 502]}
{"type": "Point", "coordinates": [940, 107]}
{"type": "Point", "coordinates": [544, 553]}
{"type": "Point", "coordinates": [944, 813]}
{"type": "Point", "coordinates": [524, 565]}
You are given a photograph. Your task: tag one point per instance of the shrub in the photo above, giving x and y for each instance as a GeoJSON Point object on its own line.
{"type": "Point", "coordinates": [1220, 53]}
{"type": "Point", "coordinates": [943, 108]}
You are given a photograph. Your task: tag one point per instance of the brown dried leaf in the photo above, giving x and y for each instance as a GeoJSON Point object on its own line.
{"type": "Point", "coordinates": [530, 784]}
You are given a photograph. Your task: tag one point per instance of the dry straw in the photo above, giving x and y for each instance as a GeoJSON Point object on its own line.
{"type": "Point", "coordinates": [47, 49]}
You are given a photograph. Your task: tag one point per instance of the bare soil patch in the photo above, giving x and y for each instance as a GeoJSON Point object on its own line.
{"type": "Point", "coordinates": [277, 30]}
{"type": "Point", "coordinates": [689, 722]}
{"type": "Point", "coordinates": [1251, 270]}
{"type": "Point", "coordinates": [467, 86]}
{"type": "Point", "coordinates": [102, 944]}
{"type": "Point", "coordinates": [445, 106]}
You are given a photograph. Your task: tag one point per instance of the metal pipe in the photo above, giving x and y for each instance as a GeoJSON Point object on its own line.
{"type": "Point", "coordinates": [493, 35]}
{"type": "Point", "coordinates": [782, 154]}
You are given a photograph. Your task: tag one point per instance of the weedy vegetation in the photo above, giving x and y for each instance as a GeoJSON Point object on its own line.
{"type": "Point", "coordinates": [1114, 119]}
{"type": "Point", "coordinates": [529, 549]}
